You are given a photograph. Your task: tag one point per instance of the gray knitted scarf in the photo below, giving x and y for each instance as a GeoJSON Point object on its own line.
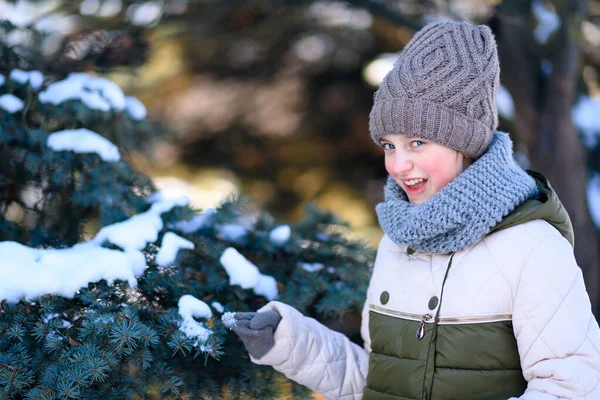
{"type": "Point", "coordinates": [465, 210]}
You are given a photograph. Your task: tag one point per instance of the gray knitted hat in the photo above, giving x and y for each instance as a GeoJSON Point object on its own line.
{"type": "Point", "coordinates": [442, 88]}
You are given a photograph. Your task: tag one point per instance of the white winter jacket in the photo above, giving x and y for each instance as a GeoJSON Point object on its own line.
{"type": "Point", "coordinates": [526, 274]}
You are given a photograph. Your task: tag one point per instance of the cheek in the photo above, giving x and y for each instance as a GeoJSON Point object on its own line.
{"type": "Point", "coordinates": [441, 173]}
{"type": "Point", "coordinates": [389, 163]}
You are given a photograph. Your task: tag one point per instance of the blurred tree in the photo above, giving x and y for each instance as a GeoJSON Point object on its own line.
{"type": "Point", "coordinates": [543, 76]}
{"type": "Point", "coordinates": [94, 302]}
{"type": "Point", "coordinates": [263, 81]}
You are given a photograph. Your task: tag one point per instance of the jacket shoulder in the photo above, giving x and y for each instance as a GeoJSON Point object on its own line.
{"type": "Point", "coordinates": [518, 241]}
{"type": "Point", "coordinates": [534, 230]}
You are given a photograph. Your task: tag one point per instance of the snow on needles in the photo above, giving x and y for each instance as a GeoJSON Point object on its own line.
{"type": "Point", "coordinates": [96, 93]}
{"type": "Point", "coordinates": [314, 267]}
{"type": "Point", "coordinates": [190, 307]}
{"type": "Point", "coordinates": [135, 108]}
{"type": "Point", "coordinates": [218, 306]}
{"type": "Point", "coordinates": [548, 21]}
{"type": "Point", "coordinates": [28, 273]}
{"type": "Point", "coordinates": [11, 103]}
{"type": "Point", "coordinates": [505, 104]}
{"type": "Point", "coordinates": [199, 221]}
{"type": "Point", "coordinates": [280, 235]}
{"type": "Point", "coordinates": [242, 272]}
{"type": "Point", "coordinates": [593, 197]}
{"type": "Point", "coordinates": [586, 116]}
{"type": "Point", "coordinates": [229, 320]}
{"type": "Point", "coordinates": [171, 244]}
{"type": "Point", "coordinates": [35, 78]}
{"type": "Point", "coordinates": [137, 231]}
{"type": "Point", "coordinates": [84, 141]}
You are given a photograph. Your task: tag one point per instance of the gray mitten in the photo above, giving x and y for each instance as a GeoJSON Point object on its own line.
{"type": "Point", "coordinates": [256, 329]}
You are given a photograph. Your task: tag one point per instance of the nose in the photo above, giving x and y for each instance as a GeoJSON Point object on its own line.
{"type": "Point", "coordinates": [402, 164]}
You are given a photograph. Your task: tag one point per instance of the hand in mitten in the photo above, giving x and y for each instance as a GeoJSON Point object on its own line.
{"type": "Point", "coordinates": [256, 329]}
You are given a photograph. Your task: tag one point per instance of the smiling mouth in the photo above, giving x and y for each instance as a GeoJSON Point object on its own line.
{"type": "Point", "coordinates": [414, 186]}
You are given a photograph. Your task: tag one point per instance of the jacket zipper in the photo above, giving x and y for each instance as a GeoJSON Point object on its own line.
{"type": "Point", "coordinates": [421, 330]}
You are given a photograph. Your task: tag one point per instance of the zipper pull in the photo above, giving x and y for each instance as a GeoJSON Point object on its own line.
{"type": "Point", "coordinates": [421, 330]}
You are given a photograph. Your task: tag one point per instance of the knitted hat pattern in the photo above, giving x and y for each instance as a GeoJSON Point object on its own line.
{"type": "Point", "coordinates": [442, 88]}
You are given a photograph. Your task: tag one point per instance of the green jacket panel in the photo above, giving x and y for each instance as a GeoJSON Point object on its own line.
{"type": "Point", "coordinates": [467, 367]}
{"type": "Point", "coordinates": [460, 384]}
{"type": "Point", "coordinates": [477, 346]}
{"type": "Point", "coordinates": [399, 354]}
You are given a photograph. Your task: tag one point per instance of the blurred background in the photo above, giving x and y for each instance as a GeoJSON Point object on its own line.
{"type": "Point", "coordinates": [271, 98]}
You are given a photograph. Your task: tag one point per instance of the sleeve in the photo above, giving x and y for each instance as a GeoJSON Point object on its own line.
{"type": "Point", "coordinates": [315, 356]}
{"type": "Point", "coordinates": [557, 335]}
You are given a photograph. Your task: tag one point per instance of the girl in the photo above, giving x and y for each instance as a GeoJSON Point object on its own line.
{"type": "Point", "coordinates": [475, 292]}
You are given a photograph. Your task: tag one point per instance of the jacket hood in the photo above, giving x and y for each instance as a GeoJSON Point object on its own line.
{"type": "Point", "coordinates": [546, 206]}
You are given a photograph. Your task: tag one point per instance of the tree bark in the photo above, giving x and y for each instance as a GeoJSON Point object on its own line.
{"type": "Point", "coordinates": [544, 128]}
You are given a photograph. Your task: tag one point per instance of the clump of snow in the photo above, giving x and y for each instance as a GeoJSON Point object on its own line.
{"type": "Point", "coordinates": [266, 287]}
{"type": "Point", "coordinates": [242, 272]}
{"type": "Point", "coordinates": [198, 222]}
{"type": "Point", "coordinates": [331, 270]}
{"type": "Point", "coordinates": [96, 93]}
{"type": "Point", "coordinates": [49, 317]}
{"type": "Point", "coordinates": [505, 104]}
{"type": "Point", "coordinates": [18, 37]}
{"type": "Point", "coordinates": [171, 244]}
{"type": "Point", "coordinates": [56, 24]}
{"type": "Point", "coordinates": [218, 306]}
{"type": "Point", "coordinates": [62, 271]}
{"type": "Point", "coordinates": [11, 103]}
{"type": "Point", "coordinates": [167, 204]}
{"type": "Point", "coordinates": [231, 232]}
{"type": "Point", "coordinates": [161, 196]}
{"type": "Point", "coordinates": [84, 141]}
{"type": "Point", "coordinates": [135, 232]}
{"type": "Point", "coordinates": [25, 12]}
{"type": "Point", "coordinates": [586, 117]}
{"type": "Point", "coordinates": [135, 108]}
{"type": "Point", "coordinates": [89, 7]}
{"type": "Point", "coordinates": [311, 267]}
{"type": "Point", "coordinates": [2, 79]}
{"type": "Point", "coordinates": [280, 235]}
{"type": "Point", "coordinates": [190, 307]}
{"type": "Point", "coordinates": [548, 21]}
{"type": "Point", "coordinates": [110, 8]}
{"type": "Point", "coordinates": [593, 197]}
{"type": "Point", "coordinates": [228, 320]}
{"type": "Point", "coordinates": [340, 14]}
{"type": "Point", "coordinates": [377, 69]}
{"type": "Point", "coordinates": [35, 78]}
{"type": "Point", "coordinates": [145, 14]}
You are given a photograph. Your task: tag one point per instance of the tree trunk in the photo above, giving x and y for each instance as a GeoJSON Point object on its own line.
{"type": "Point", "coordinates": [544, 129]}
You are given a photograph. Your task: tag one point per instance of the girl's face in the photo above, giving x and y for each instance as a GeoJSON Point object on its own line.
{"type": "Point", "coordinates": [421, 168]}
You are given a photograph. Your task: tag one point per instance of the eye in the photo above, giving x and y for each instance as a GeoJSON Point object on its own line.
{"type": "Point", "coordinates": [387, 146]}
{"type": "Point", "coordinates": [416, 143]}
